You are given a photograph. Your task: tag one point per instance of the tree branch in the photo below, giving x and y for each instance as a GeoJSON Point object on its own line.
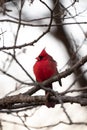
{"type": "Point", "coordinates": [11, 101]}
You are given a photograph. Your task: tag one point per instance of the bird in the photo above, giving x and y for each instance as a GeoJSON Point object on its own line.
{"type": "Point", "coordinates": [44, 68]}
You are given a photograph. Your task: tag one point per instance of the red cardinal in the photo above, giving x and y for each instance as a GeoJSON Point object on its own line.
{"type": "Point", "coordinates": [44, 68]}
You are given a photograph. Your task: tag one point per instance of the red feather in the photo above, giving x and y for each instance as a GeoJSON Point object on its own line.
{"type": "Point", "coordinates": [44, 68]}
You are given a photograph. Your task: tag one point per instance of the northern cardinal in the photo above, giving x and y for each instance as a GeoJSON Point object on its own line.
{"type": "Point", "coordinates": [44, 68]}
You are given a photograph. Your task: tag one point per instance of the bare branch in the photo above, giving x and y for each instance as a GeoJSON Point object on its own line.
{"type": "Point", "coordinates": [12, 101]}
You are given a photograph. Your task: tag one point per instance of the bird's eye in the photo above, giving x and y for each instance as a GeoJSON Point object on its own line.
{"type": "Point", "coordinates": [40, 57]}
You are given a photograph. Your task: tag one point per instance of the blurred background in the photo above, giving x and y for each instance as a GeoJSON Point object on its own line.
{"type": "Point", "coordinates": [26, 27]}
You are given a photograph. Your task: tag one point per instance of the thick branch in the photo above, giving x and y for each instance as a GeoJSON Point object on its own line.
{"type": "Point", "coordinates": [10, 102]}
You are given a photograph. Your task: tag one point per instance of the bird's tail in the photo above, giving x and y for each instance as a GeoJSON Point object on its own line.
{"type": "Point", "coordinates": [60, 83]}
{"type": "Point", "coordinates": [49, 103]}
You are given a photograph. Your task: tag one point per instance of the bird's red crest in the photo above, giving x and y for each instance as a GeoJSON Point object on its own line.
{"type": "Point", "coordinates": [43, 52]}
